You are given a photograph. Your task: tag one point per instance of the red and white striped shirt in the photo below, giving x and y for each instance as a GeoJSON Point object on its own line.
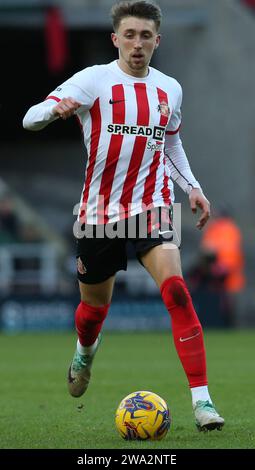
{"type": "Point", "coordinates": [124, 121]}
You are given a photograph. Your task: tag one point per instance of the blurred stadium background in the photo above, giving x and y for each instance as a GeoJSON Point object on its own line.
{"type": "Point", "coordinates": [209, 47]}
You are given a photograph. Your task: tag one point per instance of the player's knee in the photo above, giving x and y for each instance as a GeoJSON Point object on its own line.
{"type": "Point", "coordinates": [174, 291]}
{"type": "Point", "coordinates": [179, 293]}
{"type": "Point", "coordinates": [95, 299]}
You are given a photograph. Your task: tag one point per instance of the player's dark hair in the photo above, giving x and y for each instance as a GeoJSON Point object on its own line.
{"type": "Point", "coordinates": [139, 9]}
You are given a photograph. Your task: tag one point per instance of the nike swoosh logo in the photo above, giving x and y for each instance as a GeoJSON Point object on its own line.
{"type": "Point", "coordinates": [189, 337]}
{"type": "Point", "coordinates": [70, 378]}
{"type": "Point", "coordinates": [115, 101]}
{"type": "Point", "coordinates": [166, 231]}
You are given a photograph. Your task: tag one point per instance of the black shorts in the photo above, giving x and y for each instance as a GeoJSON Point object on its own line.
{"type": "Point", "coordinates": [101, 251]}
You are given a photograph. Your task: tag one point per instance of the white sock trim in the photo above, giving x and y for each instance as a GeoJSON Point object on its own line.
{"type": "Point", "coordinates": [86, 350]}
{"type": "Point", "coordinates": [200, 393]}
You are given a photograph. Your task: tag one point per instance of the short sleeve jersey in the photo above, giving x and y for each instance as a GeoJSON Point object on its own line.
{"type": "Point", "coordinates": [124, 121]}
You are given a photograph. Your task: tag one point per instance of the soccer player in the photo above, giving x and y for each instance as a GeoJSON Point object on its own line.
{"type": "Point", "coordinates": [130, 112]}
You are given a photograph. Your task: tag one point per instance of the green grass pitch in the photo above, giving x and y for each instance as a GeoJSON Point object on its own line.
{"type": "Point", "coordinates": [37, 412]}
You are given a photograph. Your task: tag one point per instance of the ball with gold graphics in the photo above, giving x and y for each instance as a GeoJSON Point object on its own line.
{"type": "Point", "coordinates": [143, 416]}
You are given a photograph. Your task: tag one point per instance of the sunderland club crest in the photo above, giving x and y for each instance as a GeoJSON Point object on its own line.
{"type": "Point", "coordinates": [164, 109]}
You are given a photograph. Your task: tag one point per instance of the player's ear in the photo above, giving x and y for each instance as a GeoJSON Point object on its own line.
{"type": "Point", "coordinates": [114, 39]}
{"type": "Point", "coordinates": [157, 41]}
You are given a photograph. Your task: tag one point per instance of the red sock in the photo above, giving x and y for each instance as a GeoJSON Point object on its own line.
{"type": "Point", "coordinates": [89, 321]}
{"type": "Point", "coordinates": [187, 330]}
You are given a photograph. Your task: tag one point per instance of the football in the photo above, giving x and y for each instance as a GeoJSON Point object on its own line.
{"type": "Point", "coordinates": [142, 416]}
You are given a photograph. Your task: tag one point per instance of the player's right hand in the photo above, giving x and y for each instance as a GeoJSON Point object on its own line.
{"type": "Point", "coordinates": [66, 108]}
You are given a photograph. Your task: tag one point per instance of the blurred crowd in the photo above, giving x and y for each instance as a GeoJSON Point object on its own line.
{"type": "Point", "coordinates": [217, 279]}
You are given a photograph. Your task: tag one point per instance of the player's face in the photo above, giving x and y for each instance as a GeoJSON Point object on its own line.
{"type": "Point", "coordinates": [136, 39]}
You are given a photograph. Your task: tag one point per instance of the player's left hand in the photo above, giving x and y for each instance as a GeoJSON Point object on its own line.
{"type": "Point", "coordinates": [198, 199]}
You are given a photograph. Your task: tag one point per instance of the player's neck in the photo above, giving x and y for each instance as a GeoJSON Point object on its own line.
{"type": "Point", "coordinates": [134, 73]}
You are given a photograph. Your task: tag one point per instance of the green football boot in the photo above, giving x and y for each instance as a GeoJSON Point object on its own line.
{"type": "Point", "coordinates": [207, 417]}
{"type": "Point", "coordinates": [80, 371]}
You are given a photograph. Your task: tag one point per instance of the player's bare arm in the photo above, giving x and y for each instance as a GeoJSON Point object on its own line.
{"type": "Point", "coordinates": [66, 108]}
{"type": "Point", "coordinates": [198, 200]}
